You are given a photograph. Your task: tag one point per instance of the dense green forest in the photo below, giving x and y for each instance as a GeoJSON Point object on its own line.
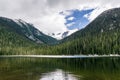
{"type": "Point", "coordinates": [101, 36]}
{"type": "Point", "coordinates": [97, 44]}
{"type": "Point", "coordinates": [103, 43]}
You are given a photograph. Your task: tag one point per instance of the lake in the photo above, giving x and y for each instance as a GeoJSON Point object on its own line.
{"type": "Point", "coordinates": [32, 68]}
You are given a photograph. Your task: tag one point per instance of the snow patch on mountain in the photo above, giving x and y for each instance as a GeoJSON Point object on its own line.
{"type": "Point", "coordinates": [32, 37]}
{"type": "Point", "coordinates": [16, 21]}
{"type": "Point", "coordinates": [57, 35]}
{"type": "Point", "coordinates": [61, 35]}
{"type": "Point", "coordinates": [38, 33]}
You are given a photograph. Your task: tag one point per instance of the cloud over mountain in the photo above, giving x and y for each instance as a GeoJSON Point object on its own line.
{"type": "Point", "coordinates": [45, 14]}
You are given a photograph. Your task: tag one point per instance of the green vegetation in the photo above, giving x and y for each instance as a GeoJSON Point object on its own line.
{"type": "Point", "coordinates": [103, 43]}
{"type": "Point", "coordinates": [101, 36]}
{"type": "Point", "coordinates": [11, 42]}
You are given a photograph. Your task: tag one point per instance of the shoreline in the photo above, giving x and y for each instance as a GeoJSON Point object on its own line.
{"type": "Point", "coordinates": [58, 56]}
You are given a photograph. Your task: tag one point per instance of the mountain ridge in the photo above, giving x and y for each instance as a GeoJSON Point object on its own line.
{"type": "Point", "coordinates": [27, 30]}
{"type": "Point", "coordinates": [112, 13]}
{"type": "Point", "coordinates": [101, 36]}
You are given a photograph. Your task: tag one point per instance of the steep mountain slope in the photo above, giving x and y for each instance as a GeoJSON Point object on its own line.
{"type": "Point", "coordinates": [27, 30]}
{"type": "Point", "coordinates": [101, 36]}
{"type": "Point", "coordinates": [11, 42]}
{"type": "Point", "coordinates": [108, 21]}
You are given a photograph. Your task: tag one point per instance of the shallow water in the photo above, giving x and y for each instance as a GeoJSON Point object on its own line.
{"type": "Point", "coordinates": [59, 69]}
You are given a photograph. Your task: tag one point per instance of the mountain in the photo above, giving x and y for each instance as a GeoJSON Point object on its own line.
{"type": "Point", "coordinates": [101, 36]}
{"type": "Point", "coordinates": [107, 21]}
{"type": "Point", "coordinates": [27, 30]}
{"type": "Point", "coordinates": [62, 35]}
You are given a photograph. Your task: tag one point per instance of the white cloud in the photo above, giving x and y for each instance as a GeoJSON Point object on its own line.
{"type": "Point", "coordinates": [67, 12]}
{"type": "Point", "coordinates": [70, 18]}
{"type": "Point", "coordinates": [95, 13]}
{"type": "Point", "coordinates": [51, 23]}
{"type": "Point", "coordinates": [70, 24]}
{"type": "Point", "coordinates": [44, 14]}
{"type": "Point", "coordinates": [87, 15]}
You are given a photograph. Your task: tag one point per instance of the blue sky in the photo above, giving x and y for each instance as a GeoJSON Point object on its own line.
{"type": "Point", "coordinates": [77, 19]}
{"type": "Point", "coordinates": [45, 16]}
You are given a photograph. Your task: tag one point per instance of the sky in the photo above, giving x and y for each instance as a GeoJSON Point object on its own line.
{"type": "Point", "coordinates": [54, 16]}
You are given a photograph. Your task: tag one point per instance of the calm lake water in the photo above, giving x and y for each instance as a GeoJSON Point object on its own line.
{"type": "Point", "coordinates": [60, 69]}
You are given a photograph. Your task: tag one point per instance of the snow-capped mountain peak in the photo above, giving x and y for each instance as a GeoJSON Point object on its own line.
{"type": "Point", "coordinates": [61, 35]}
{"type": "Point", "coordinates": [27, 30]}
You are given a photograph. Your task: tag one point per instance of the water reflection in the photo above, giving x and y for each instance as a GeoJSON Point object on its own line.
{"type": "Point", "coordinates": [59, 69]}
{"type": "Point", "coordinates": [58, 74]}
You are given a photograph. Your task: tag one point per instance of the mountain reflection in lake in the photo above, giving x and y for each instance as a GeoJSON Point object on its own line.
{"type": "Point", "coordinates": [58, 75]}
{"type": "Point", "coordinates": [59, 69]}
